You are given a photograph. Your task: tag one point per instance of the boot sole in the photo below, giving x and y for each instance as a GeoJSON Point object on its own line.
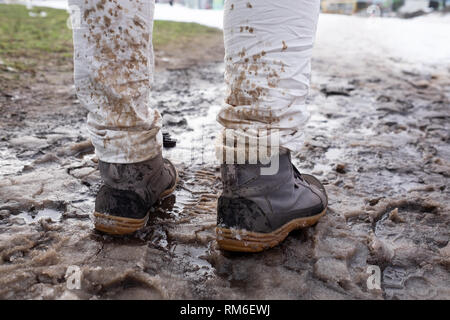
{"type": "Point", "coordinates": [116, 225]}
{"type": "Point", "coordinates": [247, 241]}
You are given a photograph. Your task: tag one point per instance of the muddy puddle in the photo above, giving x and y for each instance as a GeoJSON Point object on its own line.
{"type": "Point", "coordinates": [379, 143]}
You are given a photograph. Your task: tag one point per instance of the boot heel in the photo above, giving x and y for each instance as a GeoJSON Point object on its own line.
{"type": "Point", "coordinates": [118, 225]}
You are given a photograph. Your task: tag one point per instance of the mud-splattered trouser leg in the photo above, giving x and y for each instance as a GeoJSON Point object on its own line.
{"type": "Point", "coordinates": [268, 46]}
{"type": "Point", "coordinates": [113, 72]}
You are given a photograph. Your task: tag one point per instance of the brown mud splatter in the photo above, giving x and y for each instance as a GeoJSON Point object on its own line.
{"type": "Point", "coordinates": [389, 206]}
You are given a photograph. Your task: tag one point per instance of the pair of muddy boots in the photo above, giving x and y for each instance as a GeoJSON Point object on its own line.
{"type": "Point", "coordinates": [254, 212]}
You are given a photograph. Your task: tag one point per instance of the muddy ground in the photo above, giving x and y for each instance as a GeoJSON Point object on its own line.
{"type": "Point", "coordinates": [378, 138]}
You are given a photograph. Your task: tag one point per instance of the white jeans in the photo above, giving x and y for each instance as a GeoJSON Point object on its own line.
{"type": "Point", "coordinates": [268, 45]}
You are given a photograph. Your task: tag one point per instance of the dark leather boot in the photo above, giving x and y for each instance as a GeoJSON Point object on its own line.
{"type": "Point", "coordinates": [129, 191]}
{"type": "Point", "coordinates": [257, 212]}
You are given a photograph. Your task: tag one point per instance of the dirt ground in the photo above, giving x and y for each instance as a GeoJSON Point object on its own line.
{"type": "Point", "coordinates": [378, 138]}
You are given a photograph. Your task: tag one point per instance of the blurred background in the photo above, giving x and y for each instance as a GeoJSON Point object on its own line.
{"type": "Point", "coordinates": [402, 8]}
